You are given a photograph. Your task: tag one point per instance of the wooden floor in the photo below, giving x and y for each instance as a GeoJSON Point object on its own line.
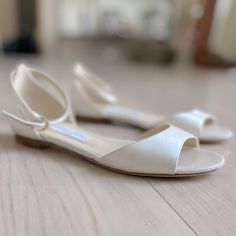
{"type": "Point", "coordinates": [54, 192]}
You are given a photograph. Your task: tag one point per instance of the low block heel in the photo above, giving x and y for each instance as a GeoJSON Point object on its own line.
{"type": "Point", "coordinates": [93, 120]}
{"type": "Point", "coordinates": [32, 142]}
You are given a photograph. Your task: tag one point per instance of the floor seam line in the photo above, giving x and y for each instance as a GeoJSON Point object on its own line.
{"type": "Point", "coordinates": [172, 208]}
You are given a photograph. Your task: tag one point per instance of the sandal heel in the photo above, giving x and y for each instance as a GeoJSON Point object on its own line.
{"type": "Point", "coordinates": [93, 120]}
{"type": "Point", "coordinates": [32, 142]}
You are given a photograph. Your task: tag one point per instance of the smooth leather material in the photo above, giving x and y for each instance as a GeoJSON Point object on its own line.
{"type": "Point", "coordinates": [87, 91]}
{"type": "Point", "coordinates": [158, 153]}
{"type": "Point", "coordinates": [88, 108]}
{"type": "Point", "coordinates": [203, 161]}
{"type": "Point", "coordinates": [194, 121]}
{"type": "Point", "coordinates": [96, 86]}
{"type": "Point", "coordinates": [95, 94]}
{"type": "Point", "coordinates": [28, 93]}
{"type": "Point", "coordinates": [44, 117]}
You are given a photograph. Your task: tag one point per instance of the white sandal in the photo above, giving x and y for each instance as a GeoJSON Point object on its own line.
{"type": "Point", "coordinates": [44, 112]}
{"type": "Point", "coordinates": [93, 100]}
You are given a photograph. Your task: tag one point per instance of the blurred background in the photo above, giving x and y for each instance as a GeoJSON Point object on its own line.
{"type": "Point", "coordinates": [201, 32]}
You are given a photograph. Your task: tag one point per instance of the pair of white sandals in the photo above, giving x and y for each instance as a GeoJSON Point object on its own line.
{"type": "Point", "coordinates": [42, 118]}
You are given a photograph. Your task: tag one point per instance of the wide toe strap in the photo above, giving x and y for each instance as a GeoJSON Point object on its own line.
{"type": "Point", "coordinates": [193, 121]}
{"type": "Point", "coordinates": [156, 154]}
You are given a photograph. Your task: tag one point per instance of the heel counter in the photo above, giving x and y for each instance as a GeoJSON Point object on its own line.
{"type": "Point", "coordinates": [81, 104]}
{"type": "Point", "coordinates": [20, 128]}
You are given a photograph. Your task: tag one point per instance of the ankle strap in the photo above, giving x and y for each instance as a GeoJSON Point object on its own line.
{"type": "Point", "coordinates": [32, 98]}
{"type": "Point", "coordinates": [96, 86]}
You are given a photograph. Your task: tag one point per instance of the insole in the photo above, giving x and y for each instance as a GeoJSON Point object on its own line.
{"type": "Point", "coordinates": [196, 161]}
{"type": "Point", "coordinates": [214, 131]}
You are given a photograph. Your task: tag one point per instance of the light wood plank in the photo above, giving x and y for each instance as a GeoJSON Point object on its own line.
{"type": "Point", "coordinates": [207, 203]}
{"type": "Point", "coordinates": [52, 192]}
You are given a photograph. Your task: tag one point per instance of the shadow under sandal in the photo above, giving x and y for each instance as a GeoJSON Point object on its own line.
{"type": "Point", "coordinates": [43, 119]}
{"type": "Point", "coordinates": [93, 100]}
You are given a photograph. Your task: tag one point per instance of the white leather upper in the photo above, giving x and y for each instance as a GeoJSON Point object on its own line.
{"type": "Point", "coordinates": [44, 109]}
{"type": "Point", "coordinates": [95, 85]}
{"type": "Point", "coordinates": [93, 96]}
{"type": "Point", "coordinates": [158, 153]}
{"type": "Point", "coordinates": [193, 121]}
{"type": "Point", "coordinates": [99, 101]}
{"type": "Point", "coordinates": [35, 108]}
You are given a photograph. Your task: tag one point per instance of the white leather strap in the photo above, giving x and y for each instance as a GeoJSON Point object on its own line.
{"type": "Point", "coordinates": [97, 87]}
{"type": "Point", "coordinates": [194, 121]}
{"type": "Point", "coordinates": [36, 125]}
{"type": "Point", "coordinates": [158, 153]}
{"type": "Point", "coordinates": [26, 87]}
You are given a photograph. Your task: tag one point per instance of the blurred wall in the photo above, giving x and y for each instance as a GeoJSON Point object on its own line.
{"type": "Point", "coordinates": [85, 18]}
{"type": "Point", "coordinates": [46, 24]}
{"type": "Point", "coordinates": [92, 17]}
{"type": "Point", "coordinates": [8, 19]}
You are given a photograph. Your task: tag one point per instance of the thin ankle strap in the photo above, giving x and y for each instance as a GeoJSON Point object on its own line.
{"type": "Point", "coordinates": [32, 97]}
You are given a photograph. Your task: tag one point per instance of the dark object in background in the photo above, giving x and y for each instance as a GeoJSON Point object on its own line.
{"type": "Point", "coordinates": [202, 55]}
{"type": "Point", "coordinates": [25, 43]}
{"type": "Point", "coordinates": [150, 51]}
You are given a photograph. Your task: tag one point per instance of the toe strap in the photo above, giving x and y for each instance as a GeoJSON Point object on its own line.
{"type": "Point", "coordinates": [156, 154]}
{"type": "Point", "coordinates": [193, 121]}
